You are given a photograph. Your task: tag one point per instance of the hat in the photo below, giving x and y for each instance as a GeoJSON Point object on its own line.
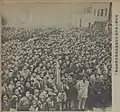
{"type": "Point", "coordinates": [83, 75]}
{"type": "Point", "coordinates": [23, 99]}
{"type": "Point", "coordinates": [71, 74]}
{"type": "Point", "coordinates": [13, 97]}
{"type": "Point", "coordinates": [63, 78]}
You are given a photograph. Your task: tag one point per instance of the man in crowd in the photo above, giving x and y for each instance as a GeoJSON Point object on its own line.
{"type": "Point", "coordinates": [82, 87]}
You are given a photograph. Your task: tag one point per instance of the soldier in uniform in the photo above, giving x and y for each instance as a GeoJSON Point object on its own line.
{"type": "Point", "coordinates": [82, 87]}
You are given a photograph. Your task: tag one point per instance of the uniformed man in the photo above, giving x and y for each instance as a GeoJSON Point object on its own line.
{"type": "Point", "coordinates": [82, 87]}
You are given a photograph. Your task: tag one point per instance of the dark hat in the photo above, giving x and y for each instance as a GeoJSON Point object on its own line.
{"type": "Point", "coordinates": [83, 75]}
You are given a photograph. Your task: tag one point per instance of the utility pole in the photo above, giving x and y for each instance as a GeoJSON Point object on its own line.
{"type": "Point", "coordinates": [75, 23]}
{"type": "Point", "coordinates": [80, 25]}
{"type": "Point", "coordinates": [110, 11]}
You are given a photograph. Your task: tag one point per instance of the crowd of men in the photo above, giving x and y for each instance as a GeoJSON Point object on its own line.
{"type": "Point", "coordinates": [29, 60]}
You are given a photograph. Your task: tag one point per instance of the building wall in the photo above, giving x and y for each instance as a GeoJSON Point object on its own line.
{"type": "Point", "coordinates": [101, 10]}
{"type": "Point", "coordinates": [82, 19]}
{"type": "Point", "coordinates": [97, 12]}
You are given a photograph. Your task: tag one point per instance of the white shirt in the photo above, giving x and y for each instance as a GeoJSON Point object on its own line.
{"type": "Point", "coordinates": [83, 88]}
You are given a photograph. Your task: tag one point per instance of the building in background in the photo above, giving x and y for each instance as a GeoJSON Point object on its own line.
{"type": "Point", "coordinates": [95, 14]}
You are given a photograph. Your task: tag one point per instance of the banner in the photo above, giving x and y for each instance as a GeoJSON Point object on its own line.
{"type": "Point", "coordinates": [57, 74]}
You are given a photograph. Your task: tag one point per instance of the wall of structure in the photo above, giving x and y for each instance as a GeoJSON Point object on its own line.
{"type": "Point", "coordinates": [101, 11]}
{"type": "Point", "coordinates": [98, 12]}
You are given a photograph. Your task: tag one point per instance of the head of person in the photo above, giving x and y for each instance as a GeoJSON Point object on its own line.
{"type": "Point", "coordinates": [70, 79]}
{"type": "Point", "coordinates": [42, 98]}
{"type": "Point", "coordinates": [11, 82]}
{"type": "Point", "coordinates": [36, 92]}
{"type": "Point", "coordinates": [63, 79]}
{"type": "Point", "coordinates": [17, 92]}
{"type": "Point", "coordinates": [24, 100]}
{"type": "Point", "coordinates": [15, 68]}
{"type": "Point", "coordinates": [60, 62]}
{"type": "Point", "coordinates": [14, 98]}
{"type": "Point", "coordinates": [34, 103]}
{"type": "Point", "coordinates": [40, 65]}
{"type": "Point", "coordinates": [27, 84]}
{"type": "Point", "coordinates": [44, 62]}
{"type": "Point", "coordinates": [104, 72]}
{"type": "Point", "coordinates": [34, 74]}
{"type": "Point", "coordinates": [49, 101]}
{"type": "Point", "coordinates": [22, 79]}
{"type": "Point", "coordinates": [9, 66]}
{"type": "Point", "coordinates": [84, 77]}
{"type": "Point", "coordinates": [5, 97]}
{"type": "Point", "coordinates": [25, 67]}
{"type": "Point", "coordinates": [68, 62]}
{"type": "Point", "coordinates": [4, 84]}
{"type": "Point", "coordinates": [27, 94]}
{"type": "Point", "coordinates": [67, 57]}
{"type": "Point", "coordinates": [18, 84]}
{"type": "Point", "coordinates": [38, 78]}
{"type": "Point", "coordinates": [48, 65]}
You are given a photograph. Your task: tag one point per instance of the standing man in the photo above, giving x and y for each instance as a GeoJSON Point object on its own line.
{"type": "Point", "coordinates": [71, 94]}
{"type": "Point", "coordinates": [82, 87]}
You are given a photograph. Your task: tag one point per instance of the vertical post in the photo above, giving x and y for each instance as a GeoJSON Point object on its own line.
{"type": "Point", "coordinates": [110, 11]}
{"type": "Point", "coordinates": [94, 12]}
{"type": "Point", "coordinates": [98, 12]}
{"type": "Point", "coordinates": [75, 23]}
{"type": "Point", "coordinates": [80, 25]}
{"type": "Point", "coordinates": [0, 60]}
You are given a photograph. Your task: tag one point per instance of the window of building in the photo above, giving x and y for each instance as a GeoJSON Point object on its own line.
{"type": "Point", "coordinates": [98, 12]}
{"type": "Point", "coordinates": [102, 10]}
{"type": "Point", "coordinates": [106, 12]}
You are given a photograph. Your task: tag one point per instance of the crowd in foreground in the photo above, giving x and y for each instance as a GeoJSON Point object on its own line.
{"type": "Point", "coordinates": [29, 60]}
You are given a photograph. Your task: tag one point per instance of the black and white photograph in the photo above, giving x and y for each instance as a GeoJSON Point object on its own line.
{"type": "Point", "coordinates": [56, 56]}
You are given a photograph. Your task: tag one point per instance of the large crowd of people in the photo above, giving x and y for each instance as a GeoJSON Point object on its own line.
{"type": "Point", "coordinates": [29, 60]}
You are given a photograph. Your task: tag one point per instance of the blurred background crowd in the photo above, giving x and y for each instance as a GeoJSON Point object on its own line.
{"type": "Point", "coordinates": [29, 59]}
